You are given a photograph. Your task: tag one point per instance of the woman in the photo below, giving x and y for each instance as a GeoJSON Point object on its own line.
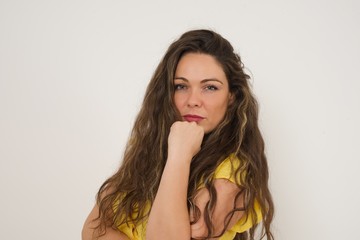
{"type": "Point", "coordinates": [194, 166]}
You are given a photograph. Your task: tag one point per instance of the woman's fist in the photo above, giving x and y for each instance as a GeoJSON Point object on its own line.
{"type": "Point", "coordinates": [184, 140]}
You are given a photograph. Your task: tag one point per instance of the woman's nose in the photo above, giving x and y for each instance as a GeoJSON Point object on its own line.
{"type": "Point", "coordinates": [194, 99]}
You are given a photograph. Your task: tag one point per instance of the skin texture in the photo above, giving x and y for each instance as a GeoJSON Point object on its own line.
{"type": "Point", "coordinates": [201, 89]}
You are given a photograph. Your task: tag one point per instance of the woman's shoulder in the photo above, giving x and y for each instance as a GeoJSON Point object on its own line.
{"type": "Point", "coordinates": [227, 169]}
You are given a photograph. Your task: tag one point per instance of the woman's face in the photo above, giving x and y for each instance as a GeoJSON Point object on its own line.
{"type": "Point", "coordinates": [201, 90]}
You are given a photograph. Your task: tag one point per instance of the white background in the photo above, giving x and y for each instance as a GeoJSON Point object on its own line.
{"type": "Point", "coordinates": [72, 78]}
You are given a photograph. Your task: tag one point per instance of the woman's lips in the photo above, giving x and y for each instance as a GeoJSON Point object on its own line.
{"type": "Point", "coordinates": [192, 118]}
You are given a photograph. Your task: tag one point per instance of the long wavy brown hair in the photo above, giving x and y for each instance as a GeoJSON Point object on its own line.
{"type": "Point", "coordinates": [134, 186]}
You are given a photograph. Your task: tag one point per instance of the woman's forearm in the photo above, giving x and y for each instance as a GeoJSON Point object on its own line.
{"type": "Point", "coordinates": [169, 217]}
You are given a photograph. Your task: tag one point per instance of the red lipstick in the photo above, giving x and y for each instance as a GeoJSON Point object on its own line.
{"type": "Point", "coordinates": [192, 118]}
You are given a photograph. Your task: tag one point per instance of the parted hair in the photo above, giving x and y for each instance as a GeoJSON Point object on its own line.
{"type": "Point", "coordinates": [134, 186]}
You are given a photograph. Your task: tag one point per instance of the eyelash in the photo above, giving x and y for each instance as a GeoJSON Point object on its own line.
{"type": "Point", "coordinates": [211, 88]}
{"type": "Point", "coordinates": [179, 87]}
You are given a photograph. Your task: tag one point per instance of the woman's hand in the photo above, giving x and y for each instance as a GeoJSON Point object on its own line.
{"type": "Point", "coordinates": [184, 140]}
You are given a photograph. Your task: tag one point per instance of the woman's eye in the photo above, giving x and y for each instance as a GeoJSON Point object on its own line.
{"type": "Point", "coordinates": [211, 88]}
{"type": "Point", "coordinates": [179, 86]}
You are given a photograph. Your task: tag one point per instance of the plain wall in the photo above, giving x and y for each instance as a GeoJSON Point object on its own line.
{"type": "Point", "coordinates": [72, 78]}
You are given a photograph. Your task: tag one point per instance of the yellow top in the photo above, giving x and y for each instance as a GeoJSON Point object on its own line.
{"type": "Point", "coordinates": [224, 170]}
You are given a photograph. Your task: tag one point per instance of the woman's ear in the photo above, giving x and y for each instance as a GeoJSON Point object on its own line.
{"type": "Point", "coordinates": [231, 98]}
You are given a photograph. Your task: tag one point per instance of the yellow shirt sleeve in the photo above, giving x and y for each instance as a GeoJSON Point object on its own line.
{"type": "Point", "coordinates": [226, 168]}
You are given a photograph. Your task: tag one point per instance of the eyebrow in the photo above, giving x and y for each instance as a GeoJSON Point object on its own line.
{"type": "Point", "coordinates": [202, 81]}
